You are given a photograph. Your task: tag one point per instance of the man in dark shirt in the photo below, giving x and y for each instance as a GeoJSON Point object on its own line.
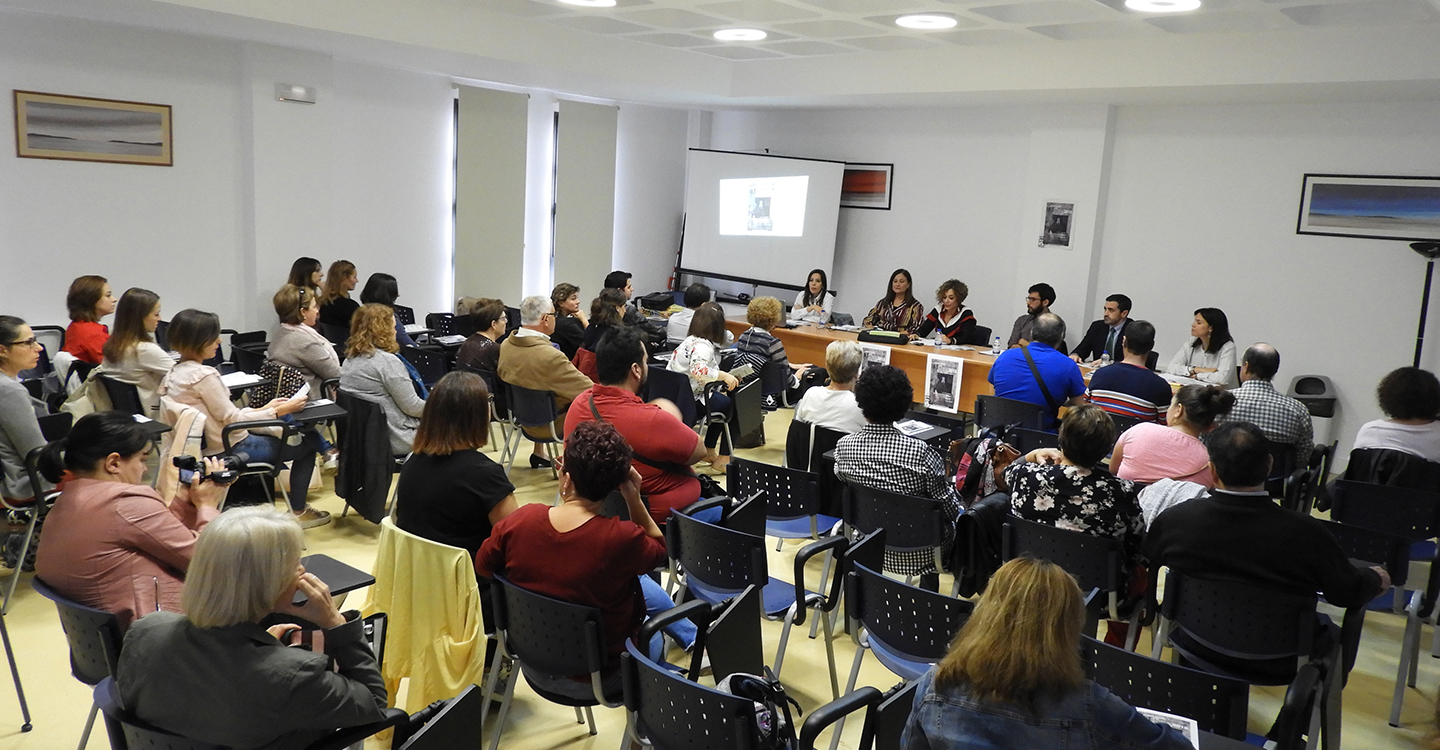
{"type": "Point", "coordinates": [621, 280]}
{"type": "Point", "coordinates": [1128, 387]}
{"type": "Point", "coordinates": [1105, 334]}
{"type": "Point", "coordinates": [1037, 302]}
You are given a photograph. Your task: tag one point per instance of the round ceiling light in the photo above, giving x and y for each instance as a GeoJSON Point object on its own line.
{"type": "Point", "coordinates": [591, 3]}
{"type": "Point", "coordinates": [927, 21]}
{"type": "Point", "coordinates": [740, 35]}
{"type": "Point", "coordinates": [1162, 6]}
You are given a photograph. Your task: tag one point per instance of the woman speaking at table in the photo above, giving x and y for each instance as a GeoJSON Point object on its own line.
{"type": "Point", "coordinates": [898, 310]}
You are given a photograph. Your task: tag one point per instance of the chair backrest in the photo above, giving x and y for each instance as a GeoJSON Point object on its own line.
{"type": "Point", "coordinates": [430, 365]}
{"type": "Point", "coordinates": [512, 318]}
{"type": "Point", "coordinates": [1301, 488]}
{"type": "Point", "coordinates": [51, 337]}
{"type": "Point", "coordinates": [366, 464]}
{"type": "Point", "coordinates": [788, 493]}
{"type": "Point", "coordinates": [406, 315]}
{"type": "Point", "coordinates": [994, 411]}
{"type": "Point", "coordinates": [1218, 704]}
{"type": "Point", "coordinates": [56, 426]}
{"type": "Point", "coordinates": [774, 378]}
{"type": "Point", "coordinates": [674, 713]}
{"type": "Point", "coordinates": [129, 733]}
{"type": "Point", "coordinates": [717, 557]}
{"type": "Point", "coordinates": [798, 437]}
{"type": "Point", "coordinates": [1239, 620]}
{"type": "Point", "coordinates": [123, 396]}
{"type": "Point", "coordinates": [733, 639]}
{"type": "Point", "coordinates": [1392, 467]}
{"type": "Point", "coordinates": [749, 414]}
{"type": "Point", "coordinates": [334, 334]}
{"type": "Point", "coordinates": [1389, 551]}
{"type": "Point", "coordinates": [909, 522]}
{"type": "Point", "coordinates": [93, 636]}
{"type": "Point", "coordinates": [531, 408]}
{"type": "Point", "coordinates": [675, 386]}
{"type": "Point", "coordinates": [442, 323]}
{"type": "Point", "coordinates": [1123, 422]}
{"type": "Point", "coordinates": [548, 635]}
{"type": "Point", "coordinates": [1407, 513]}
{"type": "Point", "coordinates": [1025, 440]}
{"type": "Point", "coordinates": [499, 393]}
{"type": "Point", "coordinates": [1095, 561]}
{"type": "Point", "coordinates": [916, 623]}
{"type": "Point", "coordinates": [1282, 456]}
{"type": "Point", "coordinates": [980, 337]}
{"type": "Point", "coordinates": [456, 725]}
{"type": "Point", "coordinates": [893, 714]}
{"type": "Point", "coordinates": [247, 359]}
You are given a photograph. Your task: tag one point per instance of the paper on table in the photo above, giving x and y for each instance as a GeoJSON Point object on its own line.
{"type": "Point", "coordinates": [319, 402]}
{"type": "Point", "coordinates": [414, 328]}
{"type": "Point", "coordinates": [450, 340]}
{"type": "Point", "coordinates": [1182, 724]}
{"type": "Point", "coordinates": [239, 379]}
{"type": "Point", "coordinates": [911, 426]}
{"type": "Point", "coordinates": [142, 420]}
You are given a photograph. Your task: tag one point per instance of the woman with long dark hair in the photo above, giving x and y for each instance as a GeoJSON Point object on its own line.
{"type": "Point", "coordinates": [19, 411]}
{"type": "Point", "coordinates": [1210, 354]}
{"type": "Point", "coordinates": [305, 273]}
{"type": "Point", "coordinates": [698, 356]}
{"type": "Point", "coordinates": [131, 354]}
{"type": "Point", "coordinates": [383, 289]}
{"type": "Point", "coordinates": [813, 304]}
{"type": "Point", "coordinates": [1149, 452]}
{"type": "Point", "coordinates": [898, 310]}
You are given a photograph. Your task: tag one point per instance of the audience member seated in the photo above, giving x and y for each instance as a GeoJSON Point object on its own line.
{"type": "Point", "coordinates": [110, 542]}
{"type": "Point", "coordinates": [216, 674]}
{"type": "Point", "coordinates": [1237, 533]}
{"type": "Point", "coordinates": [299, 345]}
{"type": "Point", "coordinates": [812, 305]}
{"type": "Point", "coordinates": [882, 457]}
{"type": "Point", "coordinates": [606, 311]}
{"type": "Point", "coordinates": [19, 411]}
{"type": "Point", "coordinates": [336, 307]}
{"type": "Point", "coordinates": [305, 273]}
{"type": "Point", "coordinates": [1148, 452]}
{"type": "Point", "coordinates": [898, 310]}
{"type": "Point", "coordinates": [572, 553]}
{"type": "Point", "coordinates": [528, 360]}
{"type": "Point", "coordinates": [1210, 355]}
{"type": "Point", "coordinates": [131, 354]}
{"type": "Point", "coordinates": [1410, 397]}
{"type": "Point", "coordinates": [1014, 372]}
{"type": "Point", "coordinates": [88, 300]}
{"type": "Point", "coordinates": [678, 326]}
{"type": "Point", "coordinates": [569, 321]}
{"type": "Point", "coordinates": [620, 282]}
{"type": "Point", "coordinates": [382, 289]}
{"type": "Point", "coordinates": [482, 351]}
{"type": "Point", "coordinates": [1011, 680]}
{"type": "Point", "coordinates": [951, 322]}
{"type": "Point", "coordinates": [664, 446]}
{"type": "Point", "coordinates": [698, 356]}
{"type": "Point", "coordinates": [373, 371]}
{"type": "Point", "coordinates": [1037, 302]}
{"type": "Point", "coordinates": [757, 346]}
{"type": "Point", "coordinates": [1127, 387]}
{"type": "Point", "coordinates": [1283, 419]}
{"type": "Point", "coordinates": [1105, 336]}
{"type": "Point", "coordinates": [196, 336]}
{"type": "Point", "coordinates": [834, 405]}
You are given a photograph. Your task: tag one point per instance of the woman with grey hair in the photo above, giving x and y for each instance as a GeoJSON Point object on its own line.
{"type": "Point", "coordinates": [834, 405]}
{"type": "Point", "coordinates": [216, 674]}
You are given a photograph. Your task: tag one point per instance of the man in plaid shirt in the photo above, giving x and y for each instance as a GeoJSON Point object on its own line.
{"type": "Point", "coordinates": [1281, 418]}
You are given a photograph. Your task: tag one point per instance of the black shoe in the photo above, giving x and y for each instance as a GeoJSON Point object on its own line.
{"type": "Point", "coordinates": [537, 462]}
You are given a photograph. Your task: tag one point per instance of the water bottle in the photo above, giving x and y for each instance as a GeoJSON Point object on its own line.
{"type": "Point", "coordinates": [1104, 359]}
{"type": "Point", "coordinates": [995, 346]}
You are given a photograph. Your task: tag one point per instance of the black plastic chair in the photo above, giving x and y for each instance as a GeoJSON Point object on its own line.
{"type": "Point", "coordinates": [123, 396]}
{"type": "Point", "coordinates": [675, 386]}
{"type": "Point", "coordinates": [334, 334]}
{"type": "Point", "coordinates": [775, 381]}
{"type": "Point", "coordinates": [533, 410]}
{"type": "Point", "coordinates": [1124, 422]}
{"type": "Point", "coordinates": [910, 522]}
{"type": "Point", "coordinates": [499, 407]}
{"type": "Point", "coordinates": [1390, 552]}
{"type": "Point", "coordinates": [406, 315]}
{"type": "Point", "coordinates": [247, 359]}
{"type": "Point", "coordinates": [994, 411]}
{"type": "Point", "coordinates": [980, 337]}
{"type": "Point", "coordinates": [1218, 704]}
{"type": "Point", "coordinates": [367, 467]}
{"type": "Point", "coordinates": [1026, 440]}
{"type": "Point", "coordinates": [266, 473]}
{"type": "Point", "coordinates": [551, 637]}
{"type": "Point", "coordinates": [430, 364]}
{"type": "Point", "coordinates": [1096, 562]}
{"type": "Point", "coordinates": [805, 448]}
{"type": "Point", "coordinates": [94, 640]}
{"type": "Point", "coordinates": [442, 324]}
{"type": "Point", "coordinates": [1301, 490]}
{"type": "Point", "coordinates": [792, 499]}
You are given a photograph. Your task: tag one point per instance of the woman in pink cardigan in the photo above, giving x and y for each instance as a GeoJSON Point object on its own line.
{"type": "Point", "coordinates": [111, 542]}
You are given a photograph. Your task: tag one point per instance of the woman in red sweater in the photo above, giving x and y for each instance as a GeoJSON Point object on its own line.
{"type": "Point", "coordinates": [89, 300]}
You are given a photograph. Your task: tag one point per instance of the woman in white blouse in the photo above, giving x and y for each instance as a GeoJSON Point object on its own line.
{"type": "Point", "coordinates": [131, 354]}
{"type": "Point", "coordinates": [813, 304]}
{"type": "Point", "coordinates": [1210, 356]}
{"type": "Point", "coordinates": [699, 357]}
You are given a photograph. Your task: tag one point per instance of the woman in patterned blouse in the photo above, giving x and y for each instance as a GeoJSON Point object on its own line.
{"type": "Point", "coordinates": [898, 310]}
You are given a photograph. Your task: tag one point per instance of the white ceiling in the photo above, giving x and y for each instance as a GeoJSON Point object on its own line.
{"type": "Point", "coordinates": [832, 53]}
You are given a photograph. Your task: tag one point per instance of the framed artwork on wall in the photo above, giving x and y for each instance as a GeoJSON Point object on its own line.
{"type": "Point", "coordinates": [866, 186]}
{"type": "Point", "coordinates": [80, 128]}
{"type": "Point", "coordinates": [1372, 207]}
{"type": "Point", "coordinates": [1056, 230]}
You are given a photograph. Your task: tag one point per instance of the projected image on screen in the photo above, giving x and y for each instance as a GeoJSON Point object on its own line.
{"type": "Point", "coordinates": [767, 206]}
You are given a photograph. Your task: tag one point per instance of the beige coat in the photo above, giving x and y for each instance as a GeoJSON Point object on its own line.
{"type": "Point", "coordinates": [532, 362]}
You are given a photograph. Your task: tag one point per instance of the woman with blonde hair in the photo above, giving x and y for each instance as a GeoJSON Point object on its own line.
{"type": "Point", "coordinates": [336, 307]}
{"type": "Point", "coordinates": [758, 347]}
{"type": "Point", "coordinates": [373, 371]}
{"type": "Point", "coordinates": [1013, 677]}
{"type": "Point", "coordinates": [216, 674]}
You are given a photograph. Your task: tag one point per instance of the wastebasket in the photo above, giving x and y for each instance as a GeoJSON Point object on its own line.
{"type": "Point", "coordinates": [1317, 393]}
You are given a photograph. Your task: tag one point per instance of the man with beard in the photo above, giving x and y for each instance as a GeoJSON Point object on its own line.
{"type": "Point", "coordinates": [1105, 335]}
{"type": "Point", "coordinates": [1038, 302]}
{"type": "Point", "coordinates": [664, 445]}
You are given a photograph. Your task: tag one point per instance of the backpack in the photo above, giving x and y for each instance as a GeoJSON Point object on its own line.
{"type": "Point", "coordinates": [772, 707]}
{"type": "Point", "coordinates": [979, 463]}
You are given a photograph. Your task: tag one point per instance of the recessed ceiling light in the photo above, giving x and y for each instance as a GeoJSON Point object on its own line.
{"type": "Point", "coordinates": [927, 21]}
{"type": "Point", "coordinates": [1162, 6]}
{"type": "Point", "coordinates": [591, 3]}
{"type": "Point", "coordinates": [740, 35]}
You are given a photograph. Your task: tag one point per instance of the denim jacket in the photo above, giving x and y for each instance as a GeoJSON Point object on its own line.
{"type": "Point", "coordinates": [1090, 717]}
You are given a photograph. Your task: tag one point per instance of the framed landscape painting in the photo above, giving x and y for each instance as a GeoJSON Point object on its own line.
{"type": "Point", "coordinates": [866, 186]}
{"type": "Point", "coordinates": [78, 128]}
{"type": "Point", "coordinates": [1382, 208]}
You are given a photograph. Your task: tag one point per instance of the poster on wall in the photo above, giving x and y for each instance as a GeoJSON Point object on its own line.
{"type": "Point", "coordinates": [942, 382]}
{"type": "Point", "coordinates": [866, 186]}
{"type": "Point", "coordinates": [80, 128]}
{"type": "Point", "coordinates": [873, 355]}
{"type": "Point", "coordinates": [1057, 224]}
{"type": "Point", "coordinates": [1381, 208]}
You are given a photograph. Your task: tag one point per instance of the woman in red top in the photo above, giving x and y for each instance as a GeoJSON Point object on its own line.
{"type": "Point", "coordinates": [89, 300]}
{"type": "Point", "coordinates": [572, 553]}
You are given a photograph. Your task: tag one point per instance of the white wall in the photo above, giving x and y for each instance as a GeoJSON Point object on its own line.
{"type": "Point", "coordinates": [649, 195]}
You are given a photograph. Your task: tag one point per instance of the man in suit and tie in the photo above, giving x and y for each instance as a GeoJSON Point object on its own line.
{"type": "Point", "coordinates": [1105, 335]}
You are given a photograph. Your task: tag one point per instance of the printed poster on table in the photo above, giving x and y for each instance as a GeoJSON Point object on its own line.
{"type": "Point", "coordinates": [942, 382]}
{"type": "Point", "coordinates": [873, 355]}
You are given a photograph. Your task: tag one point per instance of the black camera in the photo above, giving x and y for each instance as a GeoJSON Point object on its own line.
{"type": "Point", "coordinates": [191, 466]}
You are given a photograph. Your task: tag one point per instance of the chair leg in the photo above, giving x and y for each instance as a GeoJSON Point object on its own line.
{"type": "Point", "coordinates": [504, 707]}
{"type": "Point", "coordinates": [89, 724]}
{"type": "Point", "coordinates": [579, 717]}
{"type": "Point", "coordinates": [785, 638]}
{"type": "Point", "coordinates": [1157, 638]}
{"type": "Point", "coordinates": [830, 654]}
{"type": "Point", "coordinates": [513, 446]}
{"type": "Point", "coordinates": [849, 686]}
{"type": "Point", "coordinates": [554, 472]}
{"type": "Point", "coordinates": [15, 675]}
{"type": "Point", "coordinates": [824, 578]}
{"type": "Point", "coordinates": [20, 563]}
{"type": "Point", "coordinates": [1412, 632]}
{"type": "Point", "coordinates": [590, 719]}
{"type": "Point", "coordinates": [1330, 708]}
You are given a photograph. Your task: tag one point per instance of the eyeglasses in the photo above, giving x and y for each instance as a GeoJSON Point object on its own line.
{"type": "Point", "coordinates": [27, 342]}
